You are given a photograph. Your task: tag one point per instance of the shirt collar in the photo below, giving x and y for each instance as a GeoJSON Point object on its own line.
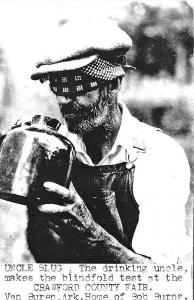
{"type": "Point", "coordinates": [124, 136]}
{"type": "Point", "coordinates": [130, 133]}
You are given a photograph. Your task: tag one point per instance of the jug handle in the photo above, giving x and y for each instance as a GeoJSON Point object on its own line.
{"type": "Point", "coordinates": [17, 124]}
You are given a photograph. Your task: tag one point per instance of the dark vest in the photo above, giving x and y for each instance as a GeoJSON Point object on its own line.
{"type": "Point", "coordinates": [108, 193]}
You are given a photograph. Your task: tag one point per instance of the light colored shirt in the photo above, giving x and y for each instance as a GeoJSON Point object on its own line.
{"type": "Point", "coordinates": [161, 185]}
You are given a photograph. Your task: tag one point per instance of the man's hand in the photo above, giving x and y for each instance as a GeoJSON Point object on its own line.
{"type": "Point", "coordinates": [71, 213]}
{"type": "Point", "coordinates": [64, 232]}
{"type": "Point", "coordinates": [67, 233]}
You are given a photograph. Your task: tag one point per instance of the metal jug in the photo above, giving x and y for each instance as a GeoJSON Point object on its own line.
{"type": "Point", "coordinates": [31, 155]}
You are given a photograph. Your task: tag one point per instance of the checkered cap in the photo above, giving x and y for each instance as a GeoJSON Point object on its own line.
{"type": "Point", "coordinates": [102, 69]}
{"type": "Point", "coordinates": [77, 45]}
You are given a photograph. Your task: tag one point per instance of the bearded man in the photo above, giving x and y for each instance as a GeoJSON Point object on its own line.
{"type": "Point", "coordinates": [130, 181]}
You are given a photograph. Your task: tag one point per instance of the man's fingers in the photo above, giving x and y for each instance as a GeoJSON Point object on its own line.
{"type": "Point", "coordinates": [3, 132]}
{"type": "Point", "coordinates": [18, 123]}
{"type": "Point", "coordinates": [60, 190]}
{"type": "Point", "coordinates": [51, 208]}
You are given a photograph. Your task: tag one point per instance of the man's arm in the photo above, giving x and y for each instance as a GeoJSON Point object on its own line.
{"type": "Point", "coordinates": [73, 218]}
{"type": "Point", "coordinates": [161, 188]}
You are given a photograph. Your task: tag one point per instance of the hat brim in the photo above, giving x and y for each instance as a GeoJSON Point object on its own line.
{"type": "Point", "coordinates": [67, 65]}
{"type": "Point", "coordinates": [129, 67]}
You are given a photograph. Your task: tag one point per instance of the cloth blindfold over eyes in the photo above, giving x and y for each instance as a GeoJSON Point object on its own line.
{"type": "Point", "coordinates": [84, 79]}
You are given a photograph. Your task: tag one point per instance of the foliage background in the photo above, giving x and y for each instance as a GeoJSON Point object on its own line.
{"type": "Point", "coordinates": [159, 92]}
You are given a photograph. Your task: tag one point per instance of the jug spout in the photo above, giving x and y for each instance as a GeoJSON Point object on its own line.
{"type": "Point", "coordinates": [42, 120]}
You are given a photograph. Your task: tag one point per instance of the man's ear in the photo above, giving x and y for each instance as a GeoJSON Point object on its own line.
{"type": "Point", "coordinates": [115, 85]}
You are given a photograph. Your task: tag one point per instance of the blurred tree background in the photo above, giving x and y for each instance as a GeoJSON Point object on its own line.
{"type": "Point", "coordinates": [159, 92]}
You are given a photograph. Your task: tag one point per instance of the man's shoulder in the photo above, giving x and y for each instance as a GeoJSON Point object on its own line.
{"type": "Point", "coordinates": [156, 142]}
{"type": "Point", "coordinates": [149, 139]}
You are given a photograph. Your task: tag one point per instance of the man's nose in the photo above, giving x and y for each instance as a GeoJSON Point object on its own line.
{"type": "Point", "coordinates": [70, 98]}
{"type": "Point", "coordinates": [67, 99]}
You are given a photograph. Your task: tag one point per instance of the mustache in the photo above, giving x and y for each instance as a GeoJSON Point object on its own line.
{"type": "Point", "coordinates": [72, 107]}
{"type": "Point", "coordinates": [75, 109]}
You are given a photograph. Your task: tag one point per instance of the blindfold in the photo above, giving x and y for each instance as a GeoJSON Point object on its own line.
{"type": "Point", "coordinates": [84, 79]}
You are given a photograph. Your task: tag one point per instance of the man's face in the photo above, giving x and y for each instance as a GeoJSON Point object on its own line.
{"type": "Point", "coordinates": [84, 113]}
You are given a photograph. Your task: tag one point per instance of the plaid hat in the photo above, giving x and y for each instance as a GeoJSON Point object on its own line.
{"type": "Point", "coordinates": [77, 44]}
{"type": "Point", "coordinates": [81, 56]}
